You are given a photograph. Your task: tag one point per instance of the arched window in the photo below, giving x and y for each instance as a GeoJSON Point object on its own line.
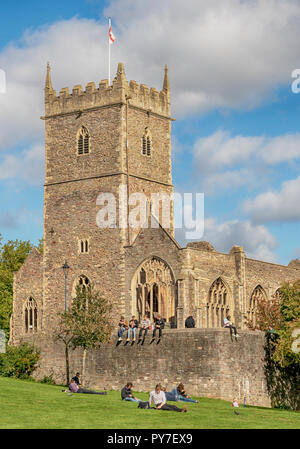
{"type": "Point", "coordinates": [146, 143]}
{"type": "Point", "coordinates": [83, 246]}
{"type": "Point", "coordinates": [258, 294]}
{"type": "Point", "coordinates": [31, 316]}
{"type": "Point", "coordinates": [83, 282]}
{"type": "Point", "coordinates": [217, 306]}
{"type": "Point", "coordinates": [83, 141]}
{"type": "Point", "coordinates": [155, 291]}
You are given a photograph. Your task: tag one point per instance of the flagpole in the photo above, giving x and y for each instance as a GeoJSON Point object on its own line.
{"type": "Point", "coordinates": [109, 25]}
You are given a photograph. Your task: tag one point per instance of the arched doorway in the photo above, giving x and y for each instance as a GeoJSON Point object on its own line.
{"type": "Point", "coordinates": [154, 291]}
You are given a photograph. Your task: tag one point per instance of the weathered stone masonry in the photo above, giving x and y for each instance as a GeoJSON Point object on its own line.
{"type": "Point", "coordinates": [143, 270]}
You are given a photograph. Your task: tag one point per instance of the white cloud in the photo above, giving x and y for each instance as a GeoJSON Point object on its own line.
{"type": "Point", "coordinates": [276, 206]}
{"type": "Point", "coordinates": [220, 54]}
{"type": "Point", "coordinates": [227, 162]}
{"type": "Point", "coordinates": [257, 241]}
{"type": "Point", "coordinates": [27, 166]}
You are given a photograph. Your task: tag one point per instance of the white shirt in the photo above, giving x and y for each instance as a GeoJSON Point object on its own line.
{"type": "Point", "coordinates": [226, 322]}
{"type": "Point", "coordinates": [157, 398]}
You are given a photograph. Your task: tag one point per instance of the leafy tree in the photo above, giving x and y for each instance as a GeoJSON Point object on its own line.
{"type": "Point", "coordinates": [284, 353]}
{"type": "Point", "coordinates": [12, 256]}
{"type": "Point", "coordinates": [86, 324]}
{"type": "Point", "coordinates": [281, 313]}
{"type": "Point", "coordinates": [280, 319]}
{"type": "Point", "coordinates": [268, 315]}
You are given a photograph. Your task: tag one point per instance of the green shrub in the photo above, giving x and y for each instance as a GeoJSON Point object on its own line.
{"type": "Point", "coordinates": [48, 380]}
{"type": "Point", "coordinates": [19, 361]}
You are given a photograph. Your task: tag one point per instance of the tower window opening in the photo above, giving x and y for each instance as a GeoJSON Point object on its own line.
{"type": "Point", "coordinates": [83, 246]}
{"type": "Point", "coordinates": [83, 141]}
{"type": "Point", "coordinates": [146, 143]}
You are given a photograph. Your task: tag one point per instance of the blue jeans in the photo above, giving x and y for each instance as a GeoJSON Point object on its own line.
{"type": "Point", "coordinates": [131, 399]}
{"type": "Point", "coordinates": [133, 330]}
{"type": "Point", "coordinates": [178, 397]}
{"type": "Point", "coordinates": [121, 332]}
{"type": "Point", "coordinates": [170, 396]}
{"type": "Point", "coordinates": [184, 399]}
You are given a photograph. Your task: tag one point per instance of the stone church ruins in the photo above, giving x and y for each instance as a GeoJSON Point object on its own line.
{"type": "Point", "coordinates": [96, 140]}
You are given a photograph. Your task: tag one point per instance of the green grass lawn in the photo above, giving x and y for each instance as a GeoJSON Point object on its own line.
{"type": "Point", "coordinates": [30, 405]}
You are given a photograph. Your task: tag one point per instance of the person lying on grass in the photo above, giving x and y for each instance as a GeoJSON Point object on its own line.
{"type": "Point", "coordinates": [178, 394]}
{"type": "Point", "coordinates": [182, 396]}
{"type": "Point", "coordinates": [159, 399]}
{"type": "Point", "coordinates": [74, 388]}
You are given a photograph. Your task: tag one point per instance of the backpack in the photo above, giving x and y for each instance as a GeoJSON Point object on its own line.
{"type": "Point", "coordinates": [143, 405]}
{"type": "Point", "coordinates": [190, 322]}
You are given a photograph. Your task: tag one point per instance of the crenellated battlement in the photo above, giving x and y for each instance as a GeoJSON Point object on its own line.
{"type": "Point", "coordinates": [104, 95]}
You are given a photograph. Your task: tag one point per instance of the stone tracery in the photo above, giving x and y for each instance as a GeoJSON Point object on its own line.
{"type": "Point", "coordinates": [258, 294]}
{"type": "Point", "coordinates": [218, 304]}
{"type": "Point", "coordinates": [155, 291]}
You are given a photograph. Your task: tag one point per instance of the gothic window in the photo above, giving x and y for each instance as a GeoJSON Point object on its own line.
{"type": "Point", "coordinates": [83, 141]}
{"type": "Point", "coordinates": [155, 291]}
{"type": "Point", "coordinates": [31, 316]}
{"type": "Point", "coordinates": [142, 276]}
{"type": "Point", "coordinates": [83, 246]}
{"type": "Point", "coordinates": [217, 306]}
{"type": "Point", "coordinates": [146, 143]}
{"type": "Point", "coordinates": [258, 294]}
{"type": "Point", "coordinates": [83, 282]}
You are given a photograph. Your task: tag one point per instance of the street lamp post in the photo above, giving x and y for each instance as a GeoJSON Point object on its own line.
{"type": "Point", "coordinates": [66, 268]}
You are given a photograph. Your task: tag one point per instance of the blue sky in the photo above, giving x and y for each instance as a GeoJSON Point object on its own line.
{"type": "Point", "coordinates": [236, 136]}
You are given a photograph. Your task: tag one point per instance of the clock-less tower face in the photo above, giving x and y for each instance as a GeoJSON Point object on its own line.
{"type": "Point", "coordinates": [96, 141]}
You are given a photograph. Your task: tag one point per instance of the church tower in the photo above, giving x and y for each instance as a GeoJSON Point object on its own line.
{"type": "Point", "coordinates": [97, 140]}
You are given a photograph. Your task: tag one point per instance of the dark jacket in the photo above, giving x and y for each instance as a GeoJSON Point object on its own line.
{"type": "Point", "coordinates": [125, 392]}
{"type": "Point", "coordinates": [160, 323]}
{"type": "Point", "coordinates": [136, 323]}
{"type": "Point", "coordinates": [189, 322]}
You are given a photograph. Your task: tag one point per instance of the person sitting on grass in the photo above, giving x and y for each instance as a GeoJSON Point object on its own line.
{"type": "Point", "coordinates": [159, 398]}
{"type": "Point", "coordinates": [133, 325]}
{"type": "Point", "coordinates": [126, 393]}
{"type": "Point", "coordinates": [182, 396]}
{"type": "Point", "coordinates": [74, 388]}
{"type": "Point", "coordinates": [144, 326]}
{"type": "Point", "coordinates": [76, 379]}
{"type": "Point", "coordinates": [123, 325]}
{"type": "Point", "coordinates": [228, 323]}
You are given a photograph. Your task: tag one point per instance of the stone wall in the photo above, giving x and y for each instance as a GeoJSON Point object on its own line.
{"type": "Point", "coordinates": [205, 360]}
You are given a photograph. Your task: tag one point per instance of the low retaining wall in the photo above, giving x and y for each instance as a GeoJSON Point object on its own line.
{"type": "Point", "coordinates": [205, 360]}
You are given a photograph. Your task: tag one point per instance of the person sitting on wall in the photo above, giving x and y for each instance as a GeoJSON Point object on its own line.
{"type": "Point", "coordinates": [159, 398]}
{"type": "Point", "coordinates": [189, 322]}
{"type": "Point", "coordinates": [76, 379]}
{"type": "Point", "coordinates": [132, 327]}
{"type": "Point", "coordinates": [159, 324]}
{"type": "Point", "coordinates": [123, 326]}
{"type": "Point", "coordinates": [144, 326]}
{"type": "Point", "coordinates": [126, 393]}
{"type": "Point", "coordinates": [74, 388]}
{"type": "Point", "coordinates": [228, 323]}
{"type": "Point", "coordinates": [182, 396]}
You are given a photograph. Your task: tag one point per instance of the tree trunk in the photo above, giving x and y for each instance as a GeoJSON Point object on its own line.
{"type": "Point", "coordinates": [67, 365]}
{"type": "Point", "coordinates": [83, 366]}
